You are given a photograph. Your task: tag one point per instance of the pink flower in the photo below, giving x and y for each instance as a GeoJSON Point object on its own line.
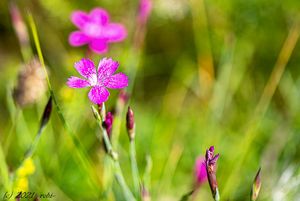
{"type": "Point", "coordinates": [95, 30]}
{"type": "Point", "coordinates": [200, 171]}
{"type": "Point", "coordinates": [99, 79]}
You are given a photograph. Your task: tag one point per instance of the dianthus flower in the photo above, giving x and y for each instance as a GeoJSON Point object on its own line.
{"type": "Point", "coordinates": [95, 30]}
{"type": "Point", "coordinates": [99, 79]}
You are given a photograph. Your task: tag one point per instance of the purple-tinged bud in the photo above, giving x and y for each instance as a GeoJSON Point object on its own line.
{"type": "Point", "coordinates": [107, 125]}
{"type": "Point", "coordinates": [47, 113]}
{"type": "Point", "coordinates": [130, 124]}
{"type": "Point", "coordinates": [145, 8]}
{"type": "Point", "coordinates": [108, 122]}
{"type": "Point", "coordinates": [200, 171]}
{"type": "Point", "coordinates": [256, 186]}
{"type": "Point", "coordinates": [211, 161]}
{"type": "Point", "coordinates": [19, 25]}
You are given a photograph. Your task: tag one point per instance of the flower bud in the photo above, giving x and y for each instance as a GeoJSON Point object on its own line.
{"type": "Point", "coordinates": [107, 125]}
{"type": "Point", "coordinates": [130, 124]}
{"type": "Point", "coordinates": [47, 113]}
{"type": "Point", "coordinates": [108, 122]}
{"type": "Point", "coordinates": [211, 161]}
{"type": "Point", "coordinates": [256, 186]}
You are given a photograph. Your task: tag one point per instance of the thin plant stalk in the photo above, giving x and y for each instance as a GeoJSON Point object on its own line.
{"type": "Point", "coordinates": [120, 178]}
{"type": "Point", "coordinates": [118, 172]}
{"type": "Point", "coordinates": [134, 168]}
{"type": "Point", "coordinates": [203, 42]}
{"type": "Point", "coordinates": [133, 60]}
{"type": "Point", "coordinates": [4, 170]}
{"type": "Point", "coordinates": [147, 172]}
{"type": "Point", "coordinates": [34, 144]}
{"type": "Point", "coordinates": [79, 151]}
{"type": "Point", "coordinates": [15, 116]}
{"type": "Point", "coordinates": [264, 102]}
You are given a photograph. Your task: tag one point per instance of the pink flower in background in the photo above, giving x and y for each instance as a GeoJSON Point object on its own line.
{"type": "Point", "coordinates": [145, 8]}
{"type": "Point", "coordinates": [95, 30]}
{"type": "Point", "coordinates": [99, 79]}
{"type": "Point", "coordinates": [200, 171]}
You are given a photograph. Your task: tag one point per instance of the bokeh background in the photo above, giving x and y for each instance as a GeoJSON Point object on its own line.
{"type": "Point", "coordinates": [222, 73]}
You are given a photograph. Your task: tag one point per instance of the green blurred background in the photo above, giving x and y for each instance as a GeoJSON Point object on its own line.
{"type": "Point", "coordinates": [222, 73]}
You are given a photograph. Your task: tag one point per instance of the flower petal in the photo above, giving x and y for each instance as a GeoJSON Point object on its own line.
{"type": "Point", "coordinates": [98, 94]}
{"type": "Point", "coordinates": [99, 15]}
{"type": "Point", "coordinates": [115, 32]}
{"type": "Point", "coordinates": [76, 82]}
{"type": "Point", "coordinates": [77, 38]}
{"type": "Point", "coordinates": [98, 46]}
{"type": "Point", "coordinates": [117, 81]}
{"type": "Point", "coordinates": [106, 68]}
{"type": "Point", "coordinates": [79, 18]}
{"type": "Point", "coordinates": [85, 67]}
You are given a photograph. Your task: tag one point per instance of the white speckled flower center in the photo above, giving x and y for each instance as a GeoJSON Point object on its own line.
{"type": "Point", "coordinates": [92, 30]}
{"type": "Point", "coordinates": [93, 80]}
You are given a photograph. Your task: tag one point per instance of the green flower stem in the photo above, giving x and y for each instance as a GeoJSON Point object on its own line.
{"type": "Point", "coordinates": [34, 144]}
{"type": "Point", "coordinates": [119, 177]}
{"type": "Point", "coordinates": [217, 195]}
{"type": "Point", "coordinates": [134, 168]}
{"type": "Point", "coordinates": [118, 172]}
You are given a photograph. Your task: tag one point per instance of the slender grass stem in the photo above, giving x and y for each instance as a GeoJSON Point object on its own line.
{"type": "Point", "coordinates": [134, 168]}
{"type": "Point", "coordinates": [4, 171]}
{"type": "Point", "coordinates": [263, 104]}
{"type": "Point", "coordinates": [33, 146]}
{"type": "Point", "coordinates": [120, 178]}
{"type": "Point", "coordinates": [79, 151]}
{"type": "Point", "coordinates": [203, 44]}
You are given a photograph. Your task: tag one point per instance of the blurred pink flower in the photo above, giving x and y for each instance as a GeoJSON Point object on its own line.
{"type": "Point", "coordinates": [200, 171]}
{"type": "Point", "coordinates": [99, 79]}
{"type": "Point", "coordinates": [145, 8]}
{"type": "Point", "coordinates": [96, 30]}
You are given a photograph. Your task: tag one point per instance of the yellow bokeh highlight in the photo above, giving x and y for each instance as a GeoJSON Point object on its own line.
{"type": "Point", "coordinates": [27, 168]}
{"type": "Point", "coordinates": [21, 184]}
{"type": "Point", "coordinates": [24, 171]}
